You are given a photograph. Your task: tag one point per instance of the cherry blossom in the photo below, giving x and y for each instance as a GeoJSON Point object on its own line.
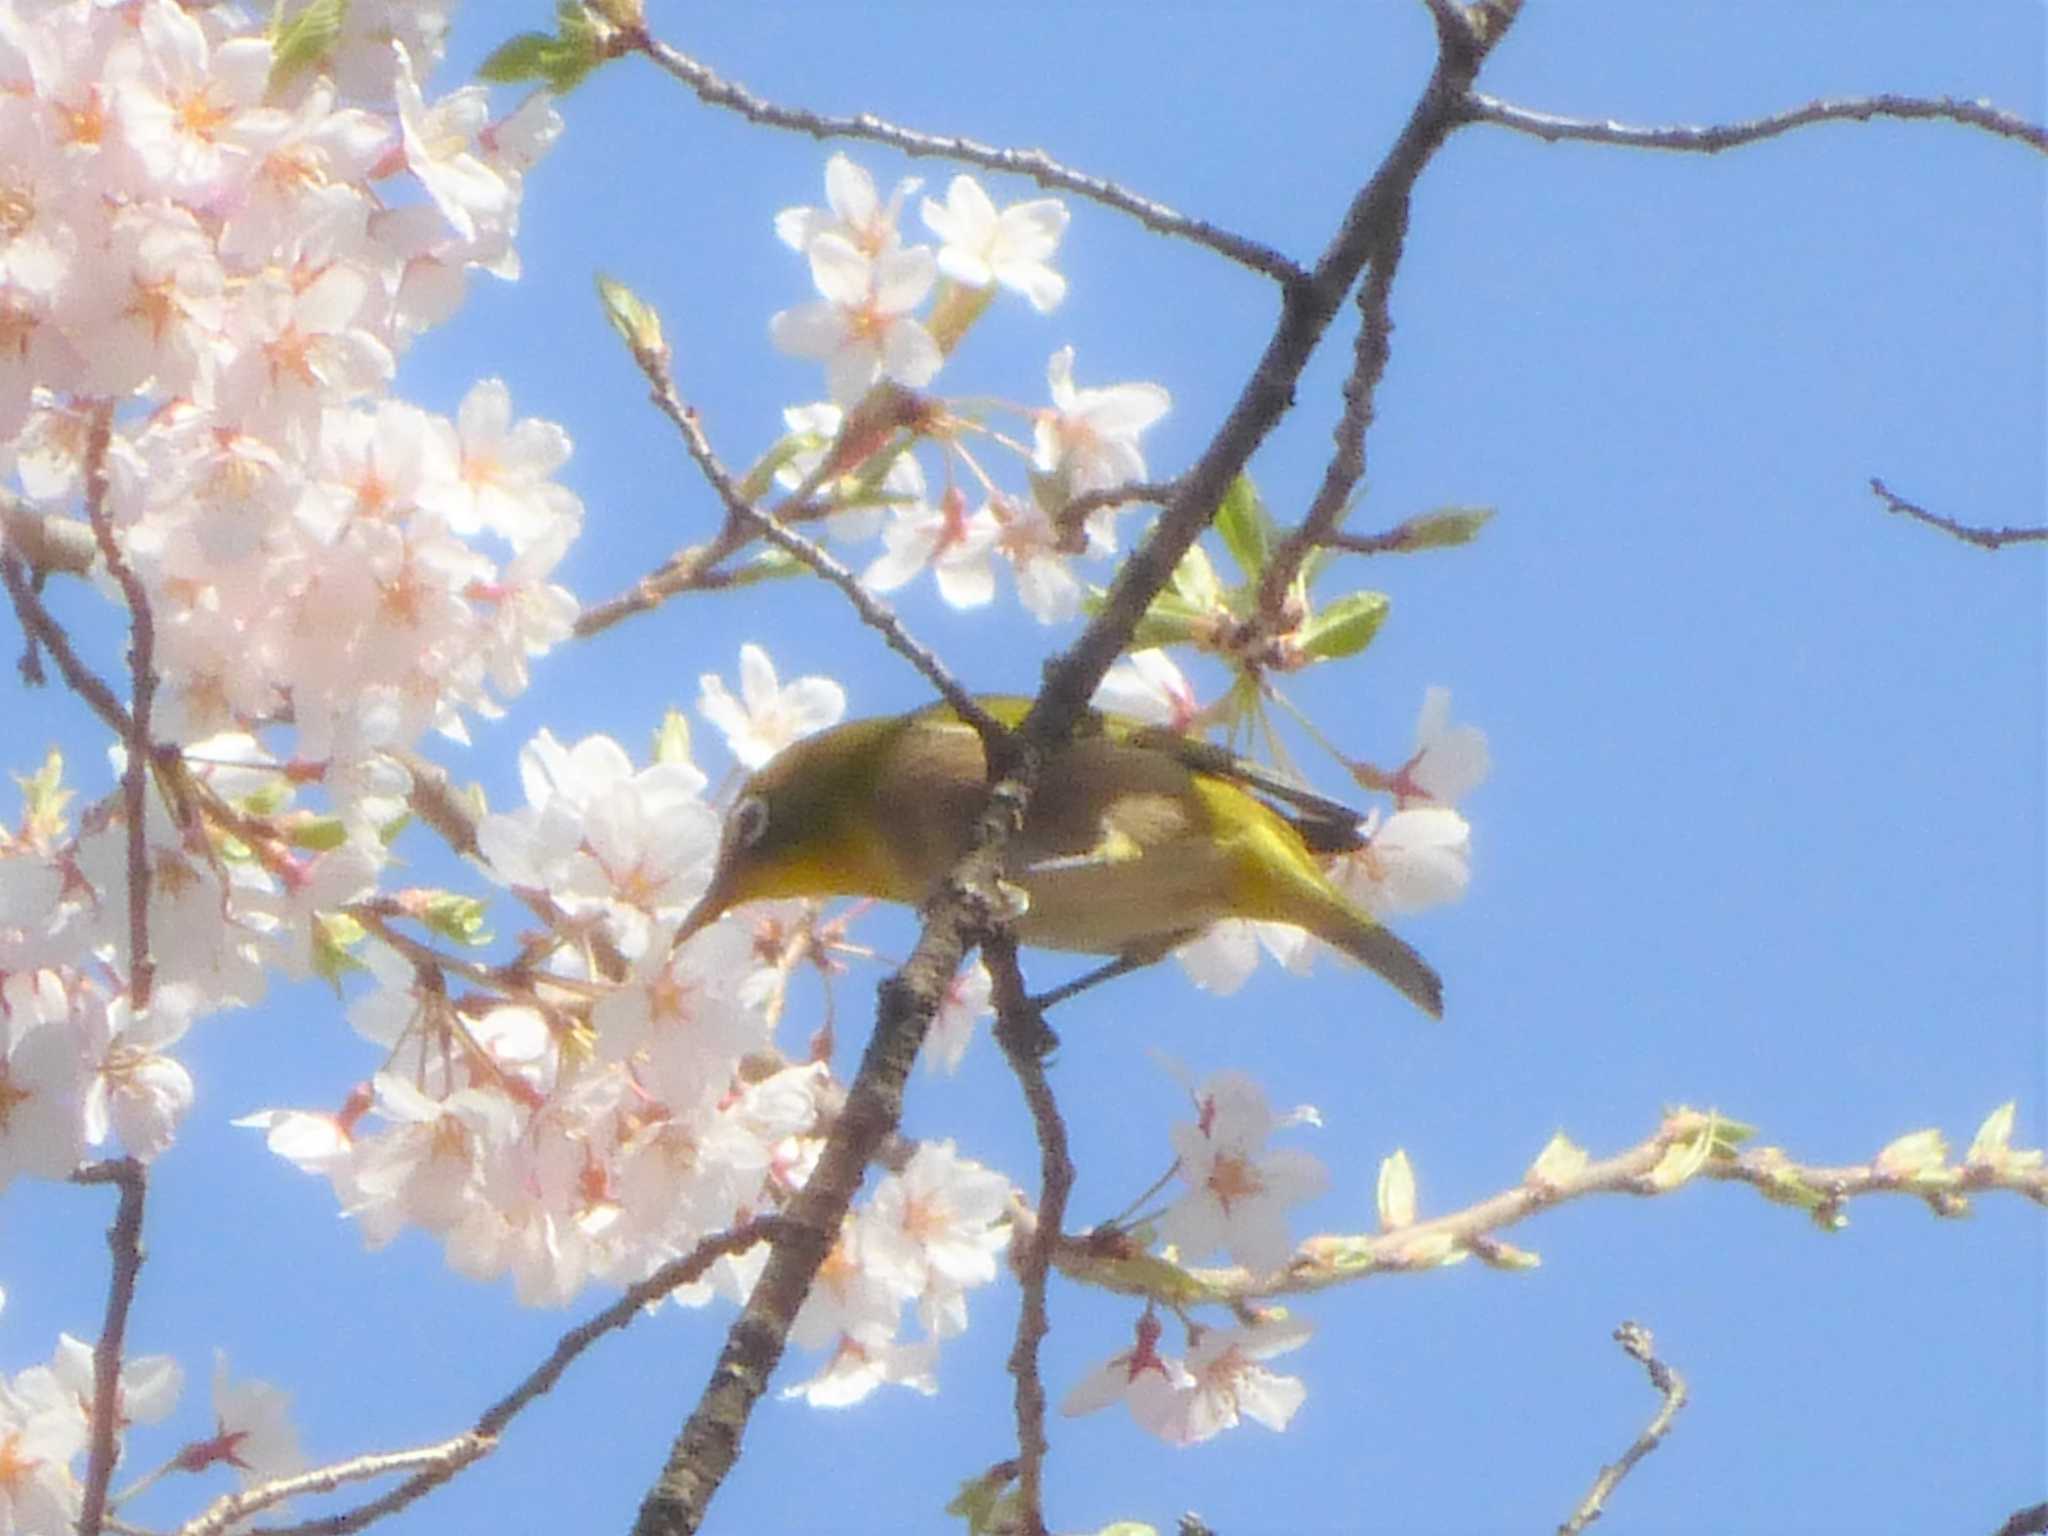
{"type": "Point", "coordinates": [1239, 1193]}
{"type": "Point", "coordinates": [1412, 860]}
{"type": "Point", "coordinates": [1228, 1384]}
{"type": "Point", "coordinates": [966, 1002]}
{"type": "Point", "coordinates": [767, 716]}
{"type": "Point", "coordinates": [857, 214]}
{"type": "Point", "coordinates": [956, 544]}
{"type": "Point", "coordinates": [862, 329]}
{"type": "Point", "coordinates": [1153, 1386]}
{"type": "Point", "coordinates": [1090, 436]}
{"type": "Point", "coordinates": [1013, 247]}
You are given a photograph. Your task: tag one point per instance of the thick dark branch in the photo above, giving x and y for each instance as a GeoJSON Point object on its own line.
{"type": "Point", "coordinates": [1040, 167]}
{"type": "Point", "coordinates": [1983, 538]}
{"type": "Point", "coordinates": [125, 1239]}
{"type": "Point", "coordinates": [1636, 1340]}
{"type": "Point", "coordinates": [1712, 139]}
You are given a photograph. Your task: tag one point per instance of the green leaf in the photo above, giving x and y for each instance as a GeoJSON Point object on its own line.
{"type": "Point", "coordinates": [1345, 627]}
{"type": "Point", "coordinates": [1171, 621]}
{"type": "Point", "coordinates": [523, 56]}
{"type": "Point", "coordinates": [561, 62]}
{"type": "Point", "coordinates": [1445, 528]}
{"type": "Point", "coordinates": [672, 739]}
{"type": "Point", "coordinates": [769, 565]}
{"type": "Point", "coordinates": [1246, 527]}
{"type": "Point", "coordinates": [319, 834]}
{"type": "Point", "coordinates": [333, 934]}
{"type": "Point", "coordinates": [305, 41]}
{"type": "Point", "coordinates": [460, 918]}
{"type": "Point", "coordinates": [633, 318]}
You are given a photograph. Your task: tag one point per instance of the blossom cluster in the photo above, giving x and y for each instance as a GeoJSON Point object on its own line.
{"type": "Point", "coordinates": [46, 1430]}
{"type": "Point", "coordinates": [866, 329]}
{"type": "Point", "coordinates": [632, 1100]}
{"type": "Point", "coordinates": [215, 244]}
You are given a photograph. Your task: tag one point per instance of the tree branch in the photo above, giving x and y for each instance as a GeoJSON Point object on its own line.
{"type": "Point", "coordinates": [439, 1463]}
{"type": "Point", "coordinates": [1983, 538]}
{"type": "Point", "coordinates": [1709, 140]}
{"type": "Point", "coordinates": [125, 1239]}
{"type": "Point", "coordinates": [715, 91]}
{"type": "Point", "coordinates": [742, 513]}
{"type": "Point", "coordinates": [1021, 1031]}
{"type": "Point", "coordinates": [1635, 1339]}
{"type": "Point", "coordinates": [1689, 1146]}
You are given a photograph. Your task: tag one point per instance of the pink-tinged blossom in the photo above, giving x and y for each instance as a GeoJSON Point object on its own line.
{"type": "Point", "coordinates": [934, 1230]}
{"type": "Point", "coordinates": [858, 1366]}
{"type": "Point", "coordinates": [1224, 956]}
{"type": "Point", "coordinates": [818, 427]}
{"type": "Point", "coordinates": [1090, 436]}
{"type": "Point", "coordinates": [603, 837]}
{"type": "Point", "coordinates": [965, 1004]}
{"type": "Point", "coordinates": [1449, 761]}
{"type": "Point", "coordinates": [253, 1432]}
{"type": "Point", "coordinates": [42, 1432]}
{"type": "Point", "coordinates": [41, 1079]}
{"type": "Point", "coordinates": [857, 214]}
{"type": "Point", "coordinates": [440, 150]}
{"type": "Point", "coordinates": [1014, 247]}
{"type": "Point", "coordinates": [959, 547]}
{"type": "Point", "coordinates": [137, 1091]}
{"type": "Point", "coordinates": [1147, 685]}
{"type": "Point", "coordinates": [1412, 860]}
{"type": "Point", "coordinates": [426, 1167]}
{"type": "Point", "coordinates": [1239, 1193]}
{"type": "Point", "coordinates": [862, 329]}
{"type": "Point", "coordinates": [501, 476]}
{"type": "Point", "coordinates": [1228, 1384]}
{"type": "Point", "coordinates": [1150, 1384]}
{"type": "Point", "coordinates": [1032, 542]}
{"type": "Point", "coordinates": [147, 1391]}
{"type": "Point", "coordinates": [178, 98]}
{"type": "Point", "coordinates": [767, 716]}
{"type": "Point", "coordinates": [305, 197]}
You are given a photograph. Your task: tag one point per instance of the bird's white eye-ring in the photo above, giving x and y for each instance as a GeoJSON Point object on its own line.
{"type": "Point", "coordinates": [749, 821]}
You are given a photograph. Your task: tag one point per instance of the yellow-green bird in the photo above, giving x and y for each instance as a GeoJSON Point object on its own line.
{"type": "Point", "coordinates": [1137, 839]}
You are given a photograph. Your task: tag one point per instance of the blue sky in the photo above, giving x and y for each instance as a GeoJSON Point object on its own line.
{"type": "Point", "coordinates": [1766, 829]}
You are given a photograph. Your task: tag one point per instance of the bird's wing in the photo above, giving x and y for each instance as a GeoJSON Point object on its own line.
{"type": "Point", "coordinates": [1326, 825]}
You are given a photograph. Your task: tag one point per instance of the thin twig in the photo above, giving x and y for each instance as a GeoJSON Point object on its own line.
{"type": "Point", "coordinates": [1040, 167]}
{"type": "Point", "coordinates": [42, 630]}
{"type": "Point", "coordinates": [1347, 463]}
{"type": "Point", "coordinates": [1690, 1146]}
{"type": "Point", "coordinates": [690, 571]}
{"type": "Point", "coordinates": [142, 681]}
{"type": "Point", "coordinates": [742, 513]}
{"type": "Point", "coordinates": [439, 1463]}
{"type": "Point", "coordinates": [1635, 1339]}
{"type": "Point", "coordinates": [1983, 538]}
{"type": "Point", "coordinates": [124, 1237]}
{"type": "Point", "coordinates": [1712, 139]}
{"type": "Point", "coordinates": [1025, 1040]}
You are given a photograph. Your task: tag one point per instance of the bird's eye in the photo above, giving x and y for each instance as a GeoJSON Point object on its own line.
{"type": "Point", "coordinates": [749, 821]}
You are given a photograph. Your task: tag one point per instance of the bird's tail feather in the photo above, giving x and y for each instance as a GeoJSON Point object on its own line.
{"type": "Point", "coordinates": [1371, 945]}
